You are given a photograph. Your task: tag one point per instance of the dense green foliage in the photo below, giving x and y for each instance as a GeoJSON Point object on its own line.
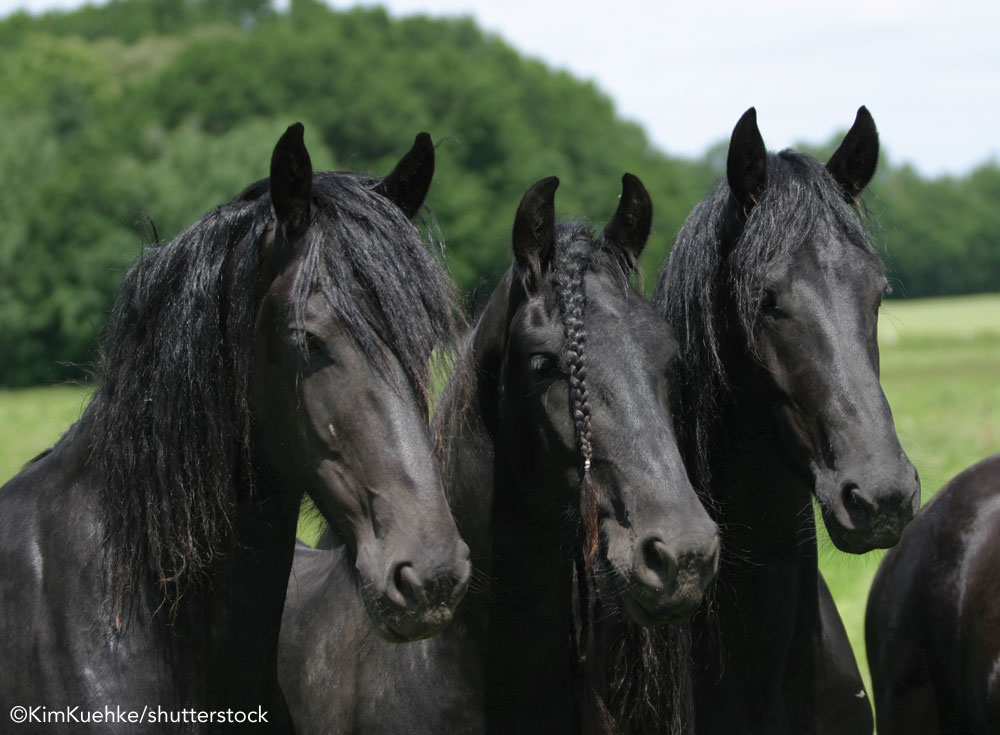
{"type": "Point", "coordinates": [126, 121]}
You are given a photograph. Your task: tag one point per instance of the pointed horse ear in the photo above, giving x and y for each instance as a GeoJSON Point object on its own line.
{"type": "Point", "coordinates": [630, 225]}
{"type": "Point", "coordinates": [291, 181]}
{"type": "Point", "coordinates": [746, 165]}
{"type": "Point", "coordinates": [534, 230]}
{"type": "Point", "coordinates": [853, 164]}
{"type": "Point", "coordinates": [409, 182]}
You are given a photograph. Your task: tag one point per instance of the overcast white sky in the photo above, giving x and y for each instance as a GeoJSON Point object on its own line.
{"type": "Point", "coordinates": [686, 69]}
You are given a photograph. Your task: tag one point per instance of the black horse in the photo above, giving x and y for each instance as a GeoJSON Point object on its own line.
{"type": "Point", "coordinates": [933, 621]}
{"type": "Point", "coordinates": [279, 345]}
{"type": "Point", "coordinates": [558, 453]}
{"type": "Point", "coordinates": [773, 289]}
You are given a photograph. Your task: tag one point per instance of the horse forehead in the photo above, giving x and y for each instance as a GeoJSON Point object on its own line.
{"type": "Point", "coordinates": [828, 258]}
{"type": "Point", "coordinates": [608, 294]}
{"type": "Point", "coordinates": [627, 326]}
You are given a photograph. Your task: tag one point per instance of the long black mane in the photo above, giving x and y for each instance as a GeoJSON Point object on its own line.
{"type": "Point", "coordinates": [170, 427]}
{"type": "Point", "coordinates": [715, 271]}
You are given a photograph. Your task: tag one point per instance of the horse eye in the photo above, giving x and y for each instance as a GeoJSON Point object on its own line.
{"type": "Point", "coordinates": [314, 345]}
{"type": "Point", "coordinates": [543, 363]}
{"type": "Point", "coordinates": [316, 350]}
{"type": "Point", "coordinates": [769, 303]}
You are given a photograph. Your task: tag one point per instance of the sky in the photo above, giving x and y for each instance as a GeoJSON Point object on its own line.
{"type": "Point", "coordinates": [929, 72]}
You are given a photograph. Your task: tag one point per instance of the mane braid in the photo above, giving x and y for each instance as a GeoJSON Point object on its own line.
{"type": "Point", "coordinates": [575, 251]}
{"type": "Point", "coordinates": [170, 426]}
{"type": "Point", "coordinates": [572, 261]}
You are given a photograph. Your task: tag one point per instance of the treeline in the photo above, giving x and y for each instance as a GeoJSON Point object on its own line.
{"type": "Point", "coordinates": [123, 123]}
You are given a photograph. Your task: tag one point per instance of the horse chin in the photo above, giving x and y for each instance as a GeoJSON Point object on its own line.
{"type": "Point", "coordinates": [656, 609]}
{"type": "Point", "coordinates": [853, 540]}
{"type": "Point", "coordinates": [856, 534]}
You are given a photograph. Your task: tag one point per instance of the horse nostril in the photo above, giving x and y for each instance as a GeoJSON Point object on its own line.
{"type": "Point", "coordinates": [406, 589]}
{"type": "Point", "coordinates": [658, 560]}
{"type": "Point", "coordinates": [854, 498]}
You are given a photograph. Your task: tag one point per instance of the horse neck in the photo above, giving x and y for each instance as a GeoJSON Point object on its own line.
{"type": "Point", "coordinates": [529, 680]}
{"type": "Point", "coordinates": [763, 499]}
{"type": "Point", "coordinates": [465, 427]}
{"type": "Point", "coordinates": [520, 626]}
{"type": "Point", "coordinates": [232, 622]}
{"type": "Point", "coordinates": [759, 638]}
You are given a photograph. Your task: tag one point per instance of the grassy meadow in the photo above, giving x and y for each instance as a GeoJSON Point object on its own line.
{"type": "Point", "coordinates": [940, 370]}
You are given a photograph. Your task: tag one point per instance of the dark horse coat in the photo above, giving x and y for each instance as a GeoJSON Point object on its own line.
{"type": "Point", "coordinates": [933, 619]}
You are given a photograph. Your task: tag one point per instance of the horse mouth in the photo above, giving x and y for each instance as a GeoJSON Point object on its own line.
{"type": "Point", "coordinates": [414, 626]}
{"type": "Point", "coordinates": [657, 609]}
{"type": "Point", "coordinates": [863, 537]}
{"type": "Point", "coordinates": [857, 530]}
{"type": "Point", "coordinates": [412, 617]}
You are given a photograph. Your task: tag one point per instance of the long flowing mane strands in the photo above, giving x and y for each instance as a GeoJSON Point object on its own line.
{"type": "Point", "coordinates": [703, 268]}
{"type": "Point", "coordinates": [170, 422]}
{"type": "Point", "coordinates": [397, 292]}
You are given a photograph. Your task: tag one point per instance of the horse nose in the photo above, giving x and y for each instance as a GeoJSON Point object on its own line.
{"type": "Point", "coordinates": [445, 586]}
{"type": "Point", "coordinates": [881, 509]}
{"type": "Point", "coordinates": [677, 564]}
{"type": "Point", "coordinates": [857, 501]}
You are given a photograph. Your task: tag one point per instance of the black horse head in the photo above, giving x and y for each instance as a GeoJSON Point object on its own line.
{"type": "Point", "coordinates": [356, 438]}
{"type": "Point", "coordinates": [584, 404]}
{"type": "Point", "coordinates": [790, 297]}
{"type": "Point", "coordinates": [290, 334]}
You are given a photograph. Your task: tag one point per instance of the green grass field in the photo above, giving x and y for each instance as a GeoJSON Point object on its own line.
{"type": "Point", "coordinates": [940, 371]}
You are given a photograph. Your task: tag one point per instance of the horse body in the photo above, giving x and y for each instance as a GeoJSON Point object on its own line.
{"type": "Point", "coordinates": [933, 625]}
{"type": "Point", "coordinates": [773, 291]}
{"type": "Point", "coordinates": [145, 557]}
{"type": "Point", "coordinates": [513, 426]}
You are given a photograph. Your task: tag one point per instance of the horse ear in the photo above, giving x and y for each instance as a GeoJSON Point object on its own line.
{"type": "Point", "coordinates": [534, 229]}
{"type": "Point", "coordinates": [746, 166]}
{"type": "Point", "coordinates": [630, 225]}
{"type": "Point", "coordinates": [409, 182]}
{"type": "Point", "coordinates": [291, 180]}
{"type": "Point", "coordinates": [853, 164]}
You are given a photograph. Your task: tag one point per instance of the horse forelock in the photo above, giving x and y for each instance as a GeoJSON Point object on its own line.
{"type": "Point", "coordinates": [379, 278]}
{"type": "Point", "coordinates": [170, 425]}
